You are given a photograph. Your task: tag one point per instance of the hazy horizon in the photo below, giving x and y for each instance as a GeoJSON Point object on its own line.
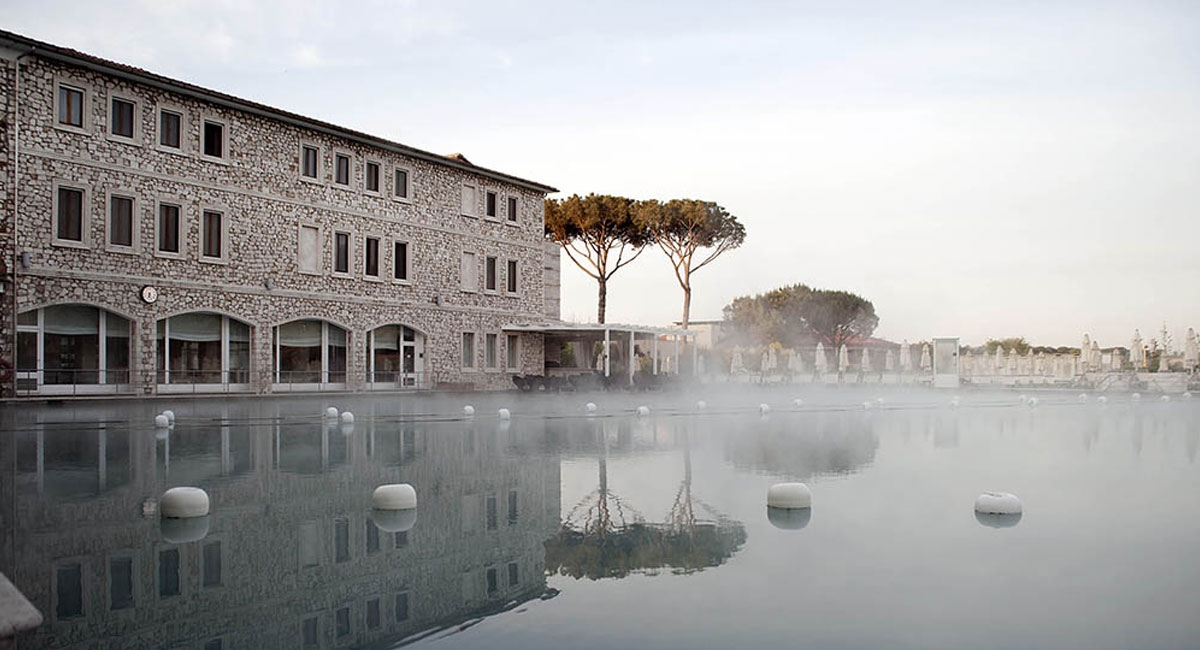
{"type": "Point", "coordinates": [981, 171]}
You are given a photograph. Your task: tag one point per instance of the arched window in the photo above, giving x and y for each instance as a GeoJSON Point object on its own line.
{"type": "Point", "coordinates": [72, 345]}
{"type": "Point", "coordinates": [202, 348]}
{"type": "Point", "coordinates": [395, 357]}
{"type": "Point", "coordinates": [309, 352]}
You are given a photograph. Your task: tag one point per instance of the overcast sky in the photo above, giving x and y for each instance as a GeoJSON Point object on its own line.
{"type": "Point", "coordinates": [974, 169]}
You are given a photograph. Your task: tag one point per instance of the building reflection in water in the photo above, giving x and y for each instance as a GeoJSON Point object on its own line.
{"type": "Point", "coordinates": [605, 536]}
{"type": "Point", "coordinates": [292, 557]}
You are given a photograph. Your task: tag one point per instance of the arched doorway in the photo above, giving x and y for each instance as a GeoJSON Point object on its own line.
{"type": "Point", "coordinates": [309, 354]}
{"type": "Point", "coordinates": [395, 357]}
{"type": "Point", "coordinates": [202, 352]}
{"type": "Point", "coordinates": [74, 348]}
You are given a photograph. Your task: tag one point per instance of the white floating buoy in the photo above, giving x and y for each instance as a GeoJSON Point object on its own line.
{"type": "Point", "coordinates": [868, 405]}
{"type": "Point", "coordinates": [879, 400]}
{"type": "Point", "coordinates": [1083, 397]}
{"type": "Point", "coordinates": [643, 411]}
{"type": "Point", "coordinates": [1136, 397]}
{"type": "Point", "coordinates": [170, 416]}
{"type": "Point", "coordinates": [1187, 395]}
{"type": "Point", "coordinates": [504, 414]}
{"type": "Point", "coordinates": [1102, 399]}
{"type": "Point", "coordinates": [394, 496]}
{"type": "Point", "coordinates": [468, 410]}
{"type": "Point", "coordinates": [1024, 399]}
{"type": "Point", "coordinates": [954, 402]}
{"type": "Point", "coordinates": [797, 402]}
{"type": "Point", "coordinates": [789, 518]}
{"type": "Point", "coordinates": [347, 417]}
{"type": "Point", "coordinates": [1165, 398]}
{"type": "Point", "coordinates": [789, 495]}
{"type": "Point", "coordinates": [590, 407]}
{"type": "Point", "coordinates": [764, 408]}
{"type": "Point", "coordinates": [1033, 401]}
{"type": "Point", "coordinates": [161, 421]}
{"type": "Point", "coordinates": [331, 412]}
{"type": "Point", "coordinates": [997, 503]}
{"type": "Point", "coordinates": [701, 405]}
{"type": "Point", "coordinates": [183, 502]}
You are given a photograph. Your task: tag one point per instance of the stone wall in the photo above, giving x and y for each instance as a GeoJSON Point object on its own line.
{"type": "Point", "coordinates": [259, 189]}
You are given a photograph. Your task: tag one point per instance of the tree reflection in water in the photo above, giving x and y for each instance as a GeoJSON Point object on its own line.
{"type": "Point", "coordinates": [605, 537]}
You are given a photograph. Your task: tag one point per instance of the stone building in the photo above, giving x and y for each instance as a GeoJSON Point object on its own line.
{"type": "Point", "coordinates": [159, 237]}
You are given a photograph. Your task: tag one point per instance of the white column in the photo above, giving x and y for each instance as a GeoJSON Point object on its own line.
{"type": "Point", "coordinates": [605, 352]}
{"type": "Point", "coordinates": [695, 358]}
{"type": "Point", "coordinates": [632, 358]}
{"type": "Point", "coordinates": [675, 365]}
{"type": "Point", "coordinates": [655, 346]}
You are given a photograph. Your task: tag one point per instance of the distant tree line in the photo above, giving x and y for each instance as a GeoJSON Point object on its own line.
{"type": "Point", "coordinates": [798, 315]}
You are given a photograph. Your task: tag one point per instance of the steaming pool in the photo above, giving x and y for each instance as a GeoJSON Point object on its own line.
{"type": "Point", "coordinates": [556, 528]}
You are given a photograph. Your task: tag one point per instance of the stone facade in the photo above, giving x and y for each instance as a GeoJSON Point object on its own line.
{"type": "Point", "coordinates": [258, 187]}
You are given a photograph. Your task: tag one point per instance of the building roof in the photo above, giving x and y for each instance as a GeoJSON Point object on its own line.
{"type": "Point", "coordinates": [22, 45]}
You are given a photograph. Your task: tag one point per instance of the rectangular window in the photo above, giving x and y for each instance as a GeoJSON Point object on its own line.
{"type": "Point", "coordinates": [489, 505]}
{"type": "Point", "coordinates": [168, 572]}
{"type": "Point", "coordinates": [168, 228]}
{"type": "Point", "coordinates": [511, 277]}
{"type": "Point", "coordinates": [310, 543]}
{"type": "Point", "coordinates": [373, 614]}
{"type": "Point", "coordinates": [308, 251]}
{"type": "Point", "coordinates": [490, 350]}
{"type": "Point", "coordinates": [400, 189]}
{"type": "Point", "coordinates": [514, 574]}
{"type": "Point", "coordinates": [372, 177]}
{"type": "Point", "coordinates": [470, 272]}
{"type": "Point", "coordinates": [341, 540]}
{"type": "Point", "coordinates": [212, 565]}
{"type": "Point", "coordinates": [68, 591]}
{"type": "Point", "coordinates": [214, 139]}
{"type": "Point", "coordinates": [512, 209]}
{"type": "Point", "coordinates": [402, 607]}
{"type": "Point", "coordinates": [70, 106]}
{"type": "Point", "coordinates": [120, 221]}
{"type": "Point", "coordinates": [400, 539]}
{"type": "Point", "coordinates": [308, 161]}
{"type": "Point", "coordinates": [120, 583]}
{"type": "Point", "coordinates": [69, 225]}
{"type": "Point", "coordinates": [341, 169]}
{"type": "Point", "coordinates": [214, 644]}
{"type": "Point", "coordinates": [490, 205]}
{"type": "Point", "coordinates": [512, 352]}
{"type": "Point", "coordinates": [342, 622]}
{"type": "Point", "coordinates": [310, 632]}
{"type": "Point", "coordinates": [121, 118]}
{"type": "Point", "coordinates": [468, 200]}
{"type": "Point", "coordinates": [468, 349]}
{"type": "Point", "coordinates": [489, 273]}
{"type": "Point", "coordinates": [493, 581]}
{"type": "Point", "coordinates": [211, 230]}
{"type": "Point", "coordinates": [400, 262]}
{"type": "Point", "coordinates": [372, 257]}
{"type": "Point", "coordinates": [341, 252]}
{"type": "Point", "coordinates": [170, 128]}
{"type": "Point", "coordinates": [372, 537]}
{"type": "Point", "coordinates": [512, 507]}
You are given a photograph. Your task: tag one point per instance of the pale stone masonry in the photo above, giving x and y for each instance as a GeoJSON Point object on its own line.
{"type": "Point", "coordinates": [205, 223]}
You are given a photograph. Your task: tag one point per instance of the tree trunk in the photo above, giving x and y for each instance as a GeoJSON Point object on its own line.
{"type": "Point", "coordinates": [603, 301]}
{"type": "Point", "coordinates": [687, 305]}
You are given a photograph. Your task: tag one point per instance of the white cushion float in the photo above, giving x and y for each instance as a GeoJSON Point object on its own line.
{"type": "Point", "coordinates": [789, 495]}
{"type": "Point", "coordinates": [468, 410]}
{"type": "Point", "coordinates": [997, 503]}
{"type": "Point", "coordinates": [764, 408]}
{"type": "Point", "coordinates": [183, 502]}
{"type": "Point", "coordinates": [643, 411]}
{"type": "Point", "coordinates": [331, 412]}
{"type": "Point", "coordinates": [161, 421]}
{"type": "Point", "coordinates": [347, 417]}
{"type": "Point", "coordinates": [504, 414]}
{"type": "Point", "coordinates": [701, 405]}
{"type": "Point", "coordinates": [394, 496]}
{"type": "Point", "coordinates": [590, 407]}
{"type": "Point", "coordinates": [170, 416]}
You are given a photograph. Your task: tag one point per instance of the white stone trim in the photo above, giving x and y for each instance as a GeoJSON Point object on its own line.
{"type": "Point", "coordinates": [85, 214]}
{"type": "Point", "coordinates": [516, 352]}
{"type": "Point", "coordinates": [463, 285]}
{"type": "Point", "coordinates": [333, 243]}
{"type": "Point", "coordinates": [136, 138]}
{"type": "Point", "coordinates": [319, 264]}
{"type": "Point", "coordinates": [135, 245]}
{"type": "Point", "coordinates": [86, 117]}
{"type": "Point", "coordinates": [495, 196]}
{"type": "Point", "coordinates": [497, 366]}
{"type": "Point", "coordinates": [381, 182]}
{"type": "Point", "coordinates": [511, 217]}
{"type": "Point", "coordinates": [408, 198]}
{"type": "Point", "coordinates": [408, 275]}
{"type": "Point", "coordinates": [475, 352]}
{"type": "Point", "coordinates": [183, 223]}
{"type": "Point", "coordinates": [226, 243]}
{"type": "Point", "coordinates": [516, 264]}
{"type": "Point", "coordinates": [333, 170]}
{"type": "Point", "coordinates": [226, 126]}
{"type": "Point", "coordinates": [380, 266]}
{"type": "Point", "coordinates": [469, 208]}
{"type": "Point", "coordinates": [495, 274]}
{"type": "Point", "coordinates": [182, 112]}
{"type": "Point", "coordinates": [319, 179]}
